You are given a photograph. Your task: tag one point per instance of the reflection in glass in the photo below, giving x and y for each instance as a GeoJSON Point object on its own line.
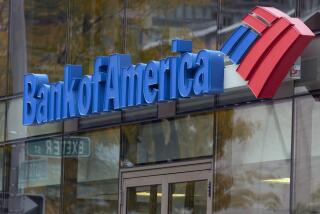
{"type": "Point", "coordinates": [2, 120]}
{"type": "Point", "coordinates": [4, 21]}
{"type": "Point", "coordinates": [1, 168]}
{"type": "Point", "coordinates": [96, 30]}
{"type": "Point", "coordinates": [144, 200]}
{"type": "Point", "coordinates": [153, 24]}
{"type": "Point", "coordinates": [37, 40]}
{"type": "Point", "coordinates": [310, 69]}
{"type": "Point", "coordinates": [34, 179]}
{"type": "Point", "coordinates": [307, 171]}
{"type": "Point", "coordinates": [309, 6]}
{"type": "Point", "coordinates": [186, 137]}
{"type": "Point", "coordinates": [91, 171]}
{"type": "Point", "coordinates": [188, 197]}
{"type": "Point", "coordinates": [253, 159]}
{"type": "Point", "coordinates": [15, 128]}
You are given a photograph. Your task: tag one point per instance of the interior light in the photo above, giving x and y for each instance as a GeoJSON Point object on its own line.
{"type": "Point", "coordinates": [277, 180]}
{"type": "Point", "coordinates": [159, 194]}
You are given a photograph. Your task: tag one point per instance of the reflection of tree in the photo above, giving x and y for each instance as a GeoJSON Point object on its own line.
{"type": "Point", "coordinates": [236, 185]}
{"type": "Point", "coordinates": [95, 30]}
{"type": "Point", "coordinates": [151, 24]}
{"type": "Point", "coordinates": [312, 207]}
{"type": "Point", "coordinates": [179, 138]}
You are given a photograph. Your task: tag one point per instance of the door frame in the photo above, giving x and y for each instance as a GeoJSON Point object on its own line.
{"type": "Point", "coordinates": [164, 174]}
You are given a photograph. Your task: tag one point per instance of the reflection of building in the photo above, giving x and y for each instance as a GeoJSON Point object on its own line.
{"type": "Point", "coordinates": [229, 153]}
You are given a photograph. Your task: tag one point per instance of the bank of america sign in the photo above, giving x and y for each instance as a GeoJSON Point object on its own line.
{"type": "Point", "coordinates": [264, 48]}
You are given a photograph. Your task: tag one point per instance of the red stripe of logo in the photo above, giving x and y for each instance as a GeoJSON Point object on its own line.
{"type": "Point", "coordinates": [260, 49]}
{"type": "Point", "coordinates": [274, 67]}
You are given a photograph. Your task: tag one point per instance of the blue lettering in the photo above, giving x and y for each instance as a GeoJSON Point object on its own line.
{"type": "Point", "coordinates": [210, 74]}
{"type": "Point", "coordinates": [150, 78]}
{"type": "Point", "coordinates": [42, 110]}
{"type": "Point", "coordinates": [186, 71]}
{"type": "Point", "coordinates": [31, 84]}
{"type": "Point", "coordinates": [85, 95]}
{"type": "Point", "coordinates": [72, 77]}
{"type": "Point", "coordinates": [99, 79]}
{"type": "Point", "coordinates": [118, 62]}
{"type": "Point", "coordinates": [56, 90]}
{"type": "Point", "coordinates": [116, 83]}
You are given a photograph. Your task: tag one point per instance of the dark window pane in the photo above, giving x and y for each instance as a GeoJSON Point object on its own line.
{"type": "Point", "coordinates": [309, 6]}
{"type": "Point", "coordinates": [307, 172]}
{"type": "Point", "coordinates": [188, 197]}
{"type": "Point", "coordinates": [186, 137]}
{"type": "Point", "coordinates": [253, 159]}
{"type": "Point", "coordinates": [91, 167]}
{"type": "Point", "coordinates": [96, 29]}
{"type": "Point", "coordinates": [1, 170]}
{"type": "Point", "coordinates": [145, 199]}
{"type": "Point", "coordinates": [153, 24]}
{"type": "Point", "coordinates": [37, 40]}
{"type": "Point", "coordinates": [34, 178]}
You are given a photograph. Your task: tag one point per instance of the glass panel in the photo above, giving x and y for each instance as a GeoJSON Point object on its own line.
{"type": "Point", "coordinates": [96, 30]}
{"type": "Point", "coordinates": [186, 137]}
{"type": "Point", "coordinates": [91, 167]}
{"type": "Point", "coordinates": [34, 178]}
{"type": "Point", "coordinates": [4, 21]}
{"type": "Point", "coordinates": [307, 172]}
{"type": "Point", "coordinates": [1, 171]}
{"type": "Point", "coordinates": [2, 120]}
{"type": "Point", "coordinates": [189, 197]}
{"type": "Point", "coordinates": [153, 24]}
{"type": "Point", "coordinates": [309, 6]}
{"type": "Point", "coordinates": [37, 40]}
{"type": "Point", "coordinates": [15, 128]}
{"type": "Point", "coordinates": [144, 200]}
{"type": "Point", "coordinates": [310, 69]}
{"type": "Point", "coordinates": [253, 159]}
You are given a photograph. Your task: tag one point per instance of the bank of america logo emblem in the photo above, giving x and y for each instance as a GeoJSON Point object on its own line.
{"type": "Point", "coordinates": [265, 46]}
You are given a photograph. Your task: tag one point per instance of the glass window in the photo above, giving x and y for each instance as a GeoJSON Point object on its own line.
{"type": "Point", "coordinates": [187, 137]}
{"type": "Point", "coordinates": [307, 171]}
{"type": "Point", "coordinates": [91, 164]}
{"type": "Point", "coordinates": [4, 21]}
{"type": "Point", "coordinates": [37, 40]}
{"type": "Point", "coordinates": [310, 69]}
{"type": "Point", "coordinates": [309, 6]}
{"type": "Point", "coordinates": [144, 199]}
{"type": "Point", "coordinates": [188, 197]}
{"type": "Point", "coordinates": [34, 176]}
{"type": "Point", "coordinates": [2, 120]}
{"type": "Point", "coordinates": [15, 128]}
{"type": "Point", "coordinates": [253, 159]}
{"type": "Point", "coordinates": [1, 170]}
{"type": "Point", "coordinates": [96, 29]}
{"type": "Point", "coordinates": [153, 24]}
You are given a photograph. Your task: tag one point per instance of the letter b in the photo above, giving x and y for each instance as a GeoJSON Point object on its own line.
{"type": "Point", "coordinates": [31, 85]}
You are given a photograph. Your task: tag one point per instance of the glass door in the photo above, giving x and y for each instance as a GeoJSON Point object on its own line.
{"type": "Point", "coordinates": [167, 190]}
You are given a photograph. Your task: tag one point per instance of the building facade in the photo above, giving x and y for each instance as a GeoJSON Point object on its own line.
{"type": "Point", "coordinates": [227, 153]}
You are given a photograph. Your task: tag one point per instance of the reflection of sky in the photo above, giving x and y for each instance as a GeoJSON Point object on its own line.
{"type": "Point", "coordinates": [271, 133]}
